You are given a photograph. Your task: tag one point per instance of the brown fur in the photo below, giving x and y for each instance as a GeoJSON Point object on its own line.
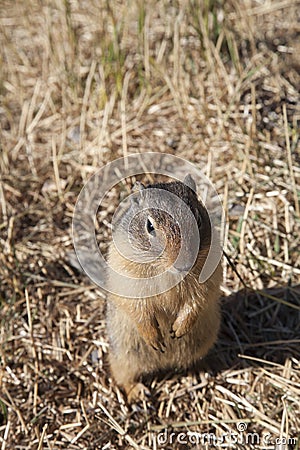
{"type": "Point", "coordinates": [169, 330]}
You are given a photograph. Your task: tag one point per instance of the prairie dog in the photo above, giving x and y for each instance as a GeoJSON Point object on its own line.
{"type": "Point", "coordinates": [165, 330]}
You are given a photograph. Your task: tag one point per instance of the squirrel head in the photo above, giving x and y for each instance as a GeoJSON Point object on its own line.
{"type": "Point", "coordinates": [164, 227]}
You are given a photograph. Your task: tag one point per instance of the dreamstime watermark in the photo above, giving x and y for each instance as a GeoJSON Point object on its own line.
{"type": "Point", "coordinates": [226, 439]}
{"type": "Point", "coordinates": [95, 191]}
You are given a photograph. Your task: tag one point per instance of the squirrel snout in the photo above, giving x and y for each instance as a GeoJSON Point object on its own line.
{"type": "Point", "coordinates": [177, 270]}
{"type": "Point", "coordinates": [181, 266]}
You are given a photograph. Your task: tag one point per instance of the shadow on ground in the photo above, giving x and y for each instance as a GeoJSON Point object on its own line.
{"type": "Point", "coordinates": [260, 325]}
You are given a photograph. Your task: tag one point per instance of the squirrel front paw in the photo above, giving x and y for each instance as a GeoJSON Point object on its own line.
{"type": "Point", "coordinates": [183, 323]}
{"type": "Point", "coordinates": [177, 330]}
{"type": "Point", "coordinates": [158, 345]}
{"type": "Point", "coordinates": [153, 337]}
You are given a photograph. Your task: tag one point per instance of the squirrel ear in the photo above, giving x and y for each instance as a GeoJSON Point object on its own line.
{"type": "Point", "coordinates": [137, 188]}
{"type": "Point", "coordinates": [190, 182]}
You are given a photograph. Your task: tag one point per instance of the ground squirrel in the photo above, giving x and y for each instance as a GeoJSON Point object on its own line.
{"type": "Point", "coordinates": [171, 329]}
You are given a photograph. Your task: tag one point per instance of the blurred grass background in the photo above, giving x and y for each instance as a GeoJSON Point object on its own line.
{"type": "Point", "coordinates": [82, 83]}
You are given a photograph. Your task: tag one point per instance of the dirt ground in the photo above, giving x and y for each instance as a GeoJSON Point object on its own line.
{"type": "Point", "coordinates": [83, 83]}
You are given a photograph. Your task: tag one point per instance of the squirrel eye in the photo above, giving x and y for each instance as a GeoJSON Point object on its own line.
{"type": "Point", "coordinates": [150, 227]}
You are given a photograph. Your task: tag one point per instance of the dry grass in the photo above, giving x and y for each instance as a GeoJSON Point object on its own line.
{"type": "Point", "coordinates": [82, 83]}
